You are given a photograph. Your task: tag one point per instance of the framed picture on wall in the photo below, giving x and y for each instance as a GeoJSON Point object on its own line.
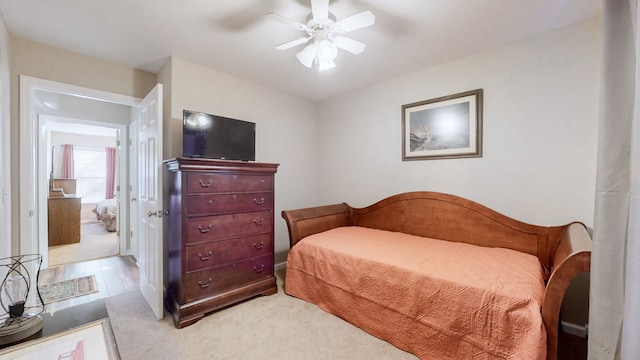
{"type": "Point", "coordinates": [443, 128]}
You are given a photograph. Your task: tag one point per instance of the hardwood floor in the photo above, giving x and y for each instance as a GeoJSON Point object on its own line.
{"type": "Point", "coordinates": [114, 275]}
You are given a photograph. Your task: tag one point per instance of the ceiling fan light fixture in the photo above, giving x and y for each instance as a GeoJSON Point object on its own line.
{"type": "Point", "coordinates": [308, 54]}
{"type": "Point", "coordinates": [327, 51]}
{"type": "Point", "coordinates": [326, 65]}
{"type": "Point", "coordinates": [326, 33]}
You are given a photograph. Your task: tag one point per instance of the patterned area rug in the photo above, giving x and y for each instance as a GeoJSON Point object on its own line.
{"type": "Point", "coordinates": [68, 289]}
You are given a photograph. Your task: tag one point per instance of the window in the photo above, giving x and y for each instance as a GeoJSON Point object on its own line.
{"type": "Point", "coordinates": [90, 172]}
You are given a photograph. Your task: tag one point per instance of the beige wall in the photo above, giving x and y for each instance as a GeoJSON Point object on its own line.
{"type": "Point", "coordinates": [50, 63]}
{"type": "Point", "coordinates": [540, 116]}
{"type": "Point", "coordinates": [540, 131]}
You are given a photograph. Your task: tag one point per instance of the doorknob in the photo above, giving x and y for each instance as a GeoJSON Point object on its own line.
{"type": "Point", "coordinates": [158, 213]}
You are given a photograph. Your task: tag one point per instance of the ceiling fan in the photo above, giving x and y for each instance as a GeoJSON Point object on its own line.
{"type": "Point", "coordinates": [325, 35]}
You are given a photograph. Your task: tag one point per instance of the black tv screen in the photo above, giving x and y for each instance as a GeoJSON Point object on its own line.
{"type": "Point", "coordinates": [217, 137]}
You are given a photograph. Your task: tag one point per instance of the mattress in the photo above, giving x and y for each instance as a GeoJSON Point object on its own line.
{"type": "Point", "coordinates": [436, 299]}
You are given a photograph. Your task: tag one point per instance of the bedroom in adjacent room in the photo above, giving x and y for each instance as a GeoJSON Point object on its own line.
{"type": "Point", "coordinates": [82, 202]}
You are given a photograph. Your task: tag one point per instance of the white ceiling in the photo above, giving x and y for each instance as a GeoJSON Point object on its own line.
{"type": "Point", "coordinates": [236, 37]}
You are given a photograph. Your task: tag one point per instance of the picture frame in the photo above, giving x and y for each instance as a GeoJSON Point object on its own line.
{"type": "Point", "coordinates": [94, 340]}
{"type": "Point", "coordinates": [447, 127]}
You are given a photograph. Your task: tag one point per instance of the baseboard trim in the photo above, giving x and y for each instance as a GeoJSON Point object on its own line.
{"type": "Point", "coordinates": [574, 329]}
{"type": "Point", "coordinates": [280, 266]}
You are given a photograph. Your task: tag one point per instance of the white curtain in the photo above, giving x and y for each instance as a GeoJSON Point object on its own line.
{"type": "Point", "coordinates": [614, 308]}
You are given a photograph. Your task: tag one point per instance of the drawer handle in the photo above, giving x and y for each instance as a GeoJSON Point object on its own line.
{"type": "Point", "coordinates": [261, 269]}
{"type": "Point", "coordinates": [258, 202]}
{"type": "Point", "coordinates": [205, 258]}
{"type": "Point", "coordinates": [258, 246]}
{"type": "Point", "coordinates": [202, 184]}
{"type": "Point", "coordinates": [204, 230]}
{"type": "Point", "coordinates": [205, 285]}
{"type": "Point", "coordinates": [258, 222]}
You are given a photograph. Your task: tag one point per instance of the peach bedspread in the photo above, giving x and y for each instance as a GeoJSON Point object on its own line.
{"type": "Point", "coordinates": [433, 298]}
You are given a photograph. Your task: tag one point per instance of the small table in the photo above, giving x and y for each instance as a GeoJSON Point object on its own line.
{"type": "Point", "coordinates": [66, 319]}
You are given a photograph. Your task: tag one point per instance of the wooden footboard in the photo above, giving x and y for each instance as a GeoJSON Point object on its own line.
{"type": "Point", "coordinates": [304, 222]}
{"type": "Point", "coordinates": [563, 251]}
{"type": "Point", "coordinates": [572, 256]}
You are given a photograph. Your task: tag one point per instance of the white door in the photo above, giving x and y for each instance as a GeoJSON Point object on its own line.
{"type": "Point", "coordinates": [132, 241]}
{"type": "Point", "coordinates": [150, 200]}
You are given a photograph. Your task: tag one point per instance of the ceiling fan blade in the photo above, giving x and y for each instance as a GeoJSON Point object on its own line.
{"type": "Point", "coordinates": [355, 22]}
{"type": "Point", "coordinates": [307, 54]}
{"type": "Point", "coordinates": [350, 45]}
{"type": "Point", "coordinates": [292, 43]}
{"type": "Point", "coordinates": [320, 9]}
{"type": "Point", "coordinates": [291, 22]}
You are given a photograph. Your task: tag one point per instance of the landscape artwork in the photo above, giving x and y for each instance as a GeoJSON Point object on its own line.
{"type": "Point", "coordinates": [446, 127]}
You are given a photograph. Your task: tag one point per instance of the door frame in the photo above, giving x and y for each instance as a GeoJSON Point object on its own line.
{"type": "Point", "coordinates": [30, 222]}
{"type": "Point", "coordinates": [45, 125]}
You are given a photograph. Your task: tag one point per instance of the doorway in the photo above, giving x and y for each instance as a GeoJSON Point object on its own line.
{"type": "Point", "coordinates": [90, 124]}
{"type": "Point", "coordinates": [145, 120]}
{"type": "Point", "coordinates": [44, 102]}
{"type": "Point", "coordinates": [93, 232]}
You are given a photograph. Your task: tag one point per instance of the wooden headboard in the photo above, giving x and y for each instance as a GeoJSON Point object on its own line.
{"type": "Point", "coordinates": [434, 215]}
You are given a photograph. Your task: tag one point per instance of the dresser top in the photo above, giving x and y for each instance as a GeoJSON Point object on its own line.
{"type": "Point", "coordinates": [200, 164]}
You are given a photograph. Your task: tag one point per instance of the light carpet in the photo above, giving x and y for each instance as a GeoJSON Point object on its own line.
{"type": "Point", "coordinates": [269, 327]}
{"type": "Point", "coordinates": [68, 289]}
{"type": "Point", "coordinates": [95, 243]}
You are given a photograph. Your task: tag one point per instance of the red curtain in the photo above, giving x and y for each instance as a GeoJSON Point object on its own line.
{"type": "Point", "coordinates": [67, 162]}
{"type": "Point", "coordinates": [111, 173]}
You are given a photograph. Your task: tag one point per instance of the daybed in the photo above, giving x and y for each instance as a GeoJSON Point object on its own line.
{"type": "Point", "coordinates": [107, 213]}
{"type": "Point", "coordinates": [437, 275]}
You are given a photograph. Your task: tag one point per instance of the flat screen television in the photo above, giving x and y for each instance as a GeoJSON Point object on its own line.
{"type": "Point", "coordinates": [217, 137]}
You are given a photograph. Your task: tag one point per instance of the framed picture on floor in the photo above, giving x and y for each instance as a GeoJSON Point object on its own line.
{"type": "Point", "coordinates": [443, 128]}
{"type": "Point", "coordinates": [92, 341]}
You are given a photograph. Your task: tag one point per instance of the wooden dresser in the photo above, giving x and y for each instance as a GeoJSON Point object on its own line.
{"type": "Point", "coordinates": [64, 220]}
{"type": "Point", "coordinates": [220, 235]}
{"type": "Point", "coordinates": [63, 213]}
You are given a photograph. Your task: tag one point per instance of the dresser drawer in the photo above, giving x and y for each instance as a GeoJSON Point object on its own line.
{"type": "Point", "coordinates": [225, 226]}
{"type": "Point", "coordinates": [207, 183]}
{"type": "Point", "coordinates": [210, 282]}
{"type": "Point", "coordinates": [228, 203]}
{"type": "Point", "coordinates": [217, 253]}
